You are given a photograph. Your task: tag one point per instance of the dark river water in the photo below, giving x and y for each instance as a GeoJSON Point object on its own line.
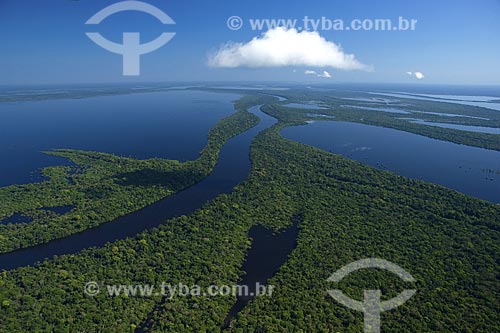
{"type": "Point", "coordinates": [232, 168]}
{"type": "Point", "coordinates": [470, 170]}
{"type": "Point", "coordinates": [174, 125]}
{"type": "Point", "coordinates": [269, 251]}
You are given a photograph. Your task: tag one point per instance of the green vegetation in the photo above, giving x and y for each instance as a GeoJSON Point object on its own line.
{"type": "Point", "coordinates": [336, 101]}
{"type": "Point", "coordinates": [449, 242]}
{"type": "Point", "coordinates": [103, 187]}
{"type": "Point", "coordinates": [80, 92]}
{"type": "Point", "coordinates": [384, 119]}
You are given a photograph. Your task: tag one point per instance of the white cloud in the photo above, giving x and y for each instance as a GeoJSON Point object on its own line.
{"type": "Point", "coordinates": [310, 72]}
{"type": "Point", "coordinates": [281, 47]}
{"type": "Point", "coordinates": [325, 74]}
{"type": "Point", "coordinates": [418, 75]}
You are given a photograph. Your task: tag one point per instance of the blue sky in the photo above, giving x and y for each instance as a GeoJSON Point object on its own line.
{"type": "Point", "coordinates": [455, 42]}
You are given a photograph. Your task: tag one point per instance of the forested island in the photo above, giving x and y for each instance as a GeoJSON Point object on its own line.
{"type": "Point", "coordinates": [102, 187]}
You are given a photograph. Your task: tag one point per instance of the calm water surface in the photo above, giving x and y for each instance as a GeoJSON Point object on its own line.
{"type": "Point", "coordinates": [477, 129]}
{"type": "Point", "coordinates": [232, 168]}
{"type": "Point", "coordinates": [471, 170]}
{"type": "Point", "coordinates": [174, 125]}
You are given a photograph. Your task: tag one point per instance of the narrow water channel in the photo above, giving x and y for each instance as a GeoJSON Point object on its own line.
{"type": "Point", "coordinates": [269, 251]}
{"type": "Point", "coordinates": [232, 168]}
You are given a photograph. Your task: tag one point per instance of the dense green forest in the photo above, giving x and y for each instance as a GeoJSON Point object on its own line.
{"type": "Point", "coordinates": [102, 187]}
{"type": "Point", "coordinates": [448, 241]}
{"type": "Point", "coordinates": [339, 105]}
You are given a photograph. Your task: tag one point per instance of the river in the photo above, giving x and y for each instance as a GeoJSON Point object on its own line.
{"type": "Point", "coordinates": [233, 167]}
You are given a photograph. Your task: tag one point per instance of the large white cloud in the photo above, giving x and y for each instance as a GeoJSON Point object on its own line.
{"type": "Point", "coordinates": [285, 47]}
